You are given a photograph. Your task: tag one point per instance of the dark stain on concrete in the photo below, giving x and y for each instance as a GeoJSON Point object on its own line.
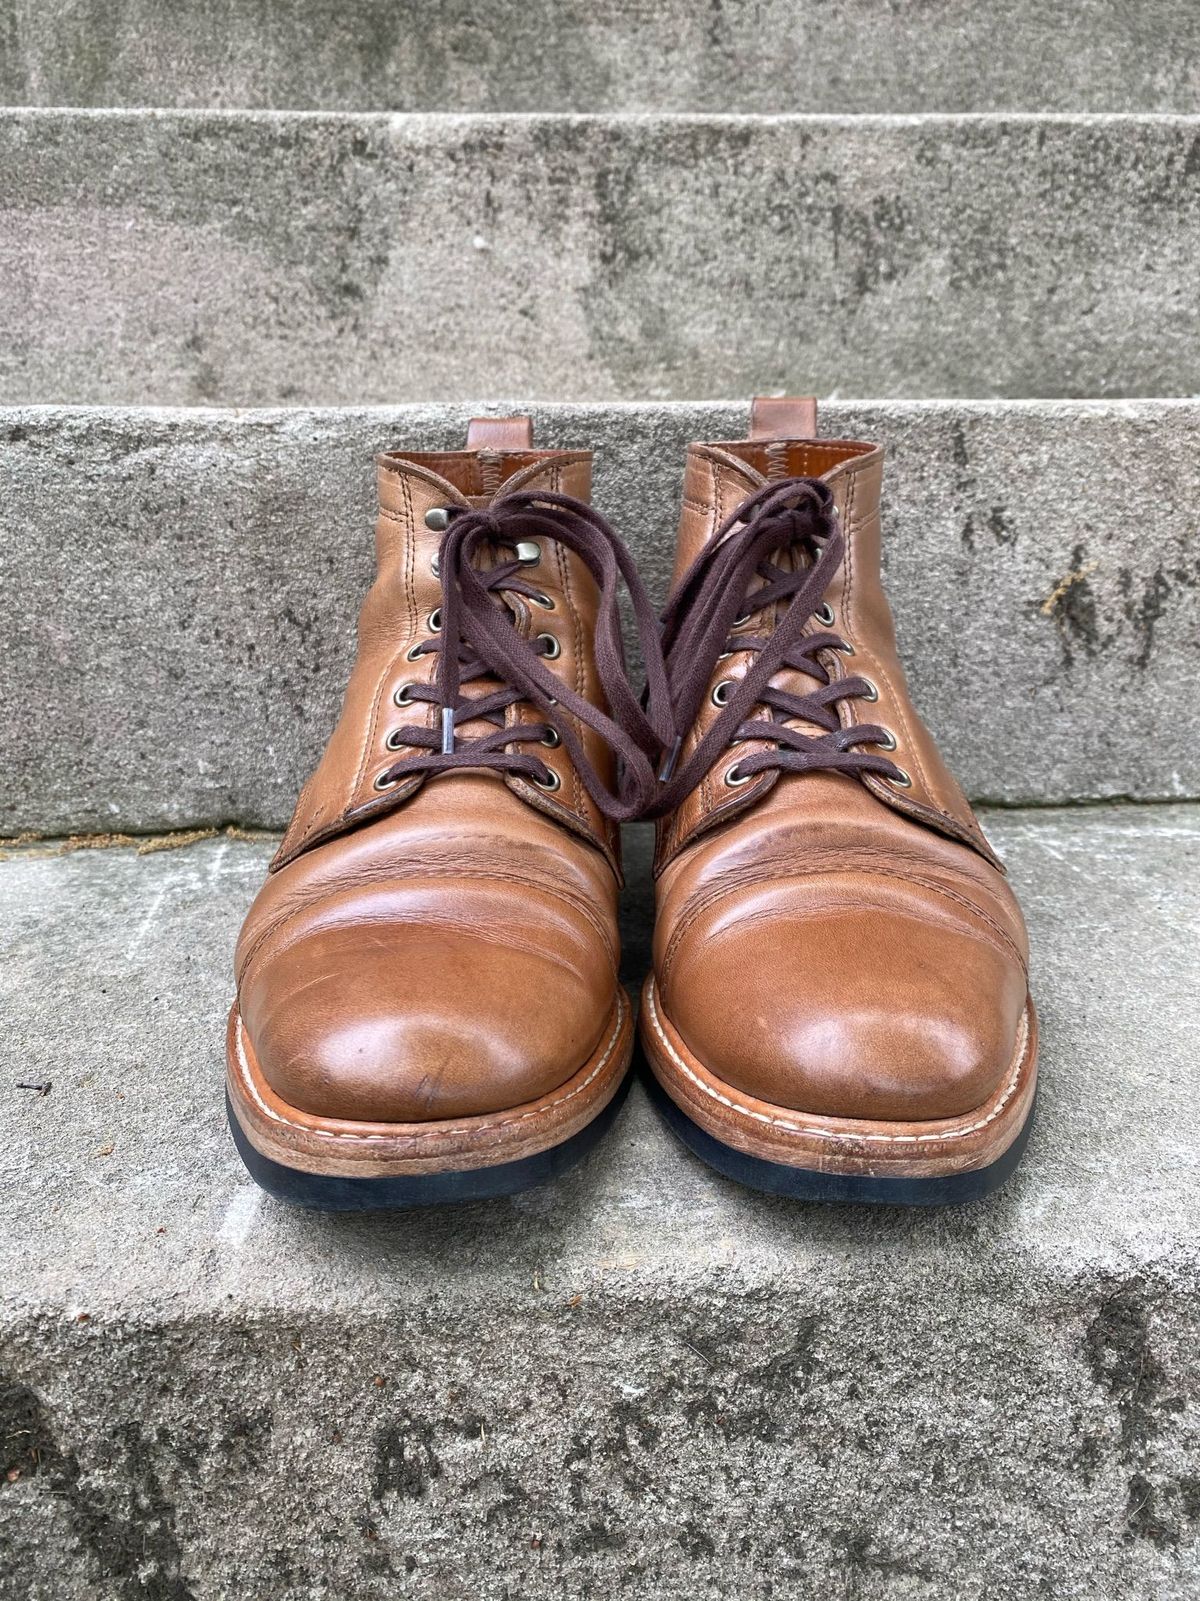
{"type": "Point", "coordinates": [1001, 526]}
{"type": "Point", "coordinates": [719, 30]}
{"type": "Point", "coordinates": [695, 1541]}
{"type": "Point", "coordinates": [1119, 1349]}
{"type": "Point", "coordinates": [1142, 611]}
{"type": "Point", "coordinates": [1072, 605]}
{"type": "Point", "coordinates": [871, 242]}
{"type": "Point", "coordinates": [1119, 1353]}
{"type": "Point", "coordinates": [405, 1461]}
{"type": "Point", "coordinates": [1144, 607]}
{"type": "Point", "coordinates": [998, 524]}
{"type": "Point", "coordinates": [137, 1550]}
{"type": "Point", "coordinates": [964, 482]}
{"type": "Point", "coordinates": [1165, 1514]}
{"type": "Point", "coordinates": [858, 1551]}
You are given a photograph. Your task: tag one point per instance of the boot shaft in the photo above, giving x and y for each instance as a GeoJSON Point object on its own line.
{"type": "Point", "coordinates": [402, 609]}
{"type": "Point", "coordinates": [718, 477]}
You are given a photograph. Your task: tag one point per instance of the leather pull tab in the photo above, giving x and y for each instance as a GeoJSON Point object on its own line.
{"type": "Point", "coordinates": [783, 417]}
{"type": "Point", "coordinates": [500, 433]}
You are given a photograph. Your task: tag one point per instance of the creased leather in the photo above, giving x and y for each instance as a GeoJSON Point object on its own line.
{"type": "Point", "coordinates": [827, 943]}
{"type": "Point", "coordinates": [452, 951]}
{"type": "Point", "coordinates": [395, 617]}
{"type": "Point", "coordinates": [716, 479]}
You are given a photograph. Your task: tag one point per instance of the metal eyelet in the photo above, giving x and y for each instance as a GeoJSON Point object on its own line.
{"type": "Point", "coordinates": [402, 696]}
{"type": "Point", "coordinates": [434, 621]}
{"type": "Point", "coordinates": [384, 782]}
{"type": "Point", "coordinates": [550, 783]}
{"type": "Point", "coordinates": [888, 742]}
{"type": "Point", "coordinates": [438, 518]}
{"type": "Point", "coordinates": [824, 614]}
{"type": "Point", "coordinates": [740, 622]}
{"type": "Point", "coordinates": [900, 778]}
{"type": "Point", "coordinates": [415, 652]}
{"type": "Point", "coordinates": [734, 779]}
{"type": "Point", "coordinates": [529, 552]}
{"type": "Point", "coordinates": [551, 739]}
{"type": "Point", "coordinates": [845, 647]}
{"type": "Point", "coordinates": [552, 647]}
{"type": "Point", "coordinates": [720, 694]}
{"type": "Point", "coordinates": [393, 741]}
{"type": "Point", "coordinates": [871, 692]}
{"type": "Point", "coordinates": [435, 567]}
{"type": "Point", "coordinates": [544, 601]}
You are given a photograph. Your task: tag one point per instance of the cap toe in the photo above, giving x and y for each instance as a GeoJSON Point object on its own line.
{"type": "Point", "coordinates": [409, 1024]}
{"type": "Point", "coordinates": [869, 1013]}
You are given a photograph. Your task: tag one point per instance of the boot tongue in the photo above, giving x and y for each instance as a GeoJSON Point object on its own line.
{"type": "Point", "coordinates": [775, 421]}
{"type": "Point", "coordinates": [506, 463]}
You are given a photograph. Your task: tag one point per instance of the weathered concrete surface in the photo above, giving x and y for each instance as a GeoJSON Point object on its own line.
{"type": "Point", "coordinates": [604, 55]}
{"type": "Point", "coordinates": [180, 591]}
{"type": "Point", "coordinates": [639, 1381]}
{"type": "Point", "coordinates": [261, 258]}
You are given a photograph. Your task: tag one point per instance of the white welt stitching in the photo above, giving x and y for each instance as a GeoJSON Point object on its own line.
{"type": "Point", "coordinates": [412, 1133]}
{"type": "Point", "coordinates": [832, 1134]}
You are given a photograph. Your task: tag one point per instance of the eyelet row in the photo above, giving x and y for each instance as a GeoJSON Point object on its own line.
{"type": "Point", "coordinates": [722, 690]}
{"type": "Point", "coordinates": [550, 783]}
{"type": "Point", "coordinates": [734, 779]}
{"type": "Point", "coordinates": [902, 779]}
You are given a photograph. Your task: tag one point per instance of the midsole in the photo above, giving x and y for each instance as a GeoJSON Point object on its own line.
{"type": "Point", "coordinates": [352, 1149]}
{"type": "Point", "coordinates": [842, 1145]}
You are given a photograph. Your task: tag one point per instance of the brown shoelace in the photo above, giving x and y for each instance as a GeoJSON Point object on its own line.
{"type": "Point", "coordinates": [479, 639]}
{"type": "Point", "coordinates": [715, 594]}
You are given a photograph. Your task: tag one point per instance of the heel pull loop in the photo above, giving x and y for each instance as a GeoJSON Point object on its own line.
{"type": "Point", "coordinates": [783, 417]}
{"type": "Point", "coordinates": [500, 433]}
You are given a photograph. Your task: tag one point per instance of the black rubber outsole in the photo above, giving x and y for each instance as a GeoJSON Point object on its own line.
{"type": "Point", "coordinates": [805, 1184]}
{"type": "Point", "coordinates": [321, 1192]}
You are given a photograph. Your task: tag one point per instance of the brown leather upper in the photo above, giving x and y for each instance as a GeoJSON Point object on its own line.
{"type": "Point", "coordinates": [446, 946]}
{"type": "Point", "coordinates": [396, 616]}
{"type": "Point", "coordinates": [835, 944]}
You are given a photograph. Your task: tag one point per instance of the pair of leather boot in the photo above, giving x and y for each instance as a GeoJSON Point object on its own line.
{"type": "Point", "coordinates": [428, 1005]}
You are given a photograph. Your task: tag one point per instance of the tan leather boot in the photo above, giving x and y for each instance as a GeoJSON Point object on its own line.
{"type": "Point", "coordinates": [839, 1006]}
{"type": "Point", "coordinates": [427, 997]}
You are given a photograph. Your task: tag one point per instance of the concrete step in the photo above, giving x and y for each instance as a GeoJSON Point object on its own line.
{"type": "Point", "coordinates": [606, 55]}
{"type": "Point", "coordinates": [262, 258]}
{"type": "Point", "coordinates": [182, 588]}
{"type": "Point", "coordinates": [640, 1380]}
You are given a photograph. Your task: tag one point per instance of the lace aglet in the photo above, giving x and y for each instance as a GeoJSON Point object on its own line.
{"type": "Point", "coordinates": [447, 730]}
{"type": "Point", "coordinates": [668, 767]}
